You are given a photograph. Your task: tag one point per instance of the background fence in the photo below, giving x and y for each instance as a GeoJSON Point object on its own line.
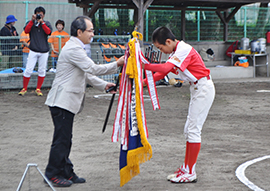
{"type": "Point", "coordinates": [250, 21]}
{"type": "Point", "coordinates": [102, 50]}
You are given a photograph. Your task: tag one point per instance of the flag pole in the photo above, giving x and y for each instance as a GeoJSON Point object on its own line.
{"type": "Point", "coordinates": [111, 102]}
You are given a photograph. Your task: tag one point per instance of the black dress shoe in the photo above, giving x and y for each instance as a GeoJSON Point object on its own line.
{"type": "Point", "coordinates": [59, 181]}
{"type": "Point", "coordinates": [75, 179]}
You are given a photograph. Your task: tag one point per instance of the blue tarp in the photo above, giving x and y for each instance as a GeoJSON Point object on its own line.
{"type": "Point", "coordinates": [10, 70]}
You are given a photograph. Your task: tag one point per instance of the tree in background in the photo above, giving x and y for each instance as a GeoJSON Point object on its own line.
{"type": "Point", "coordinates": [101, 19]}
{"type": "Point", "coordinates": [170, 19]}
{"type": "Point", "coordinates": [262, 21]}
{"type": "Point", "coordinates": [123, 18]}
{"type": "Point", "coordinates": [211, 26]}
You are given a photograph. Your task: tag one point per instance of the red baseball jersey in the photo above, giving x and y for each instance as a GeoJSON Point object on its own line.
{"type": "Point", "coordinates": [190, 66]}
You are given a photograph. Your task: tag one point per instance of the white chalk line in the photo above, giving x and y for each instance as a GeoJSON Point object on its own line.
{"type": "Point", "coordinates": [240, 173]}
{"type": "Point", "coordinates": [104, 95]}
{"type": "Point", "coordinates": [260, 91]}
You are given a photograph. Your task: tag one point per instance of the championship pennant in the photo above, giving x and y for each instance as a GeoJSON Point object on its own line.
{"type": "Point", "coordinates": [130, 122]}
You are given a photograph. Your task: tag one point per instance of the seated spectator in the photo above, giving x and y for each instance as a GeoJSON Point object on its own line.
{"type": "Point", "coordinates": [55, 38]}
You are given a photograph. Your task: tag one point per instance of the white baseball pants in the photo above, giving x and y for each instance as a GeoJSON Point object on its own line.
{"type": "Point", "coordinates": [33, 58]}
{"type": "Point", "coordinates": [202, 95]}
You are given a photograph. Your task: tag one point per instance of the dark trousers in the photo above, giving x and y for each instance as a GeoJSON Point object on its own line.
{"type": "Point", "coordinates": [59, 163]}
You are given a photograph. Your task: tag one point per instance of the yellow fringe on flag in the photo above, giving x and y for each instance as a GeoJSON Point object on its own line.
{"type": "Point", "coordinates": [142, 154]}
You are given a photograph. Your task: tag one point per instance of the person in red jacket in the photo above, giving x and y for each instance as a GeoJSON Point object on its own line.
{"type": "Point", "coordinates": [38, 30]}
{"type": "Point", "coordinates": [187, 63]}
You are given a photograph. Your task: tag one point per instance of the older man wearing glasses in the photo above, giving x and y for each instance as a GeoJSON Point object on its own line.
{"type": "Point", "coordinates": [73, 72]}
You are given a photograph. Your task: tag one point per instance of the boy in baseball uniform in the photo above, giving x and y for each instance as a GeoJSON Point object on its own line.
{"type": "Point", "coordinates": [185, 61]}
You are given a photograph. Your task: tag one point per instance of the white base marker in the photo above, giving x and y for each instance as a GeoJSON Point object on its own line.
{"type": "Point", "coordinates": [240, 173]}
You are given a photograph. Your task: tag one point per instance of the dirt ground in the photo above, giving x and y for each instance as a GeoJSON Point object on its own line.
{"type": "Point", "coordinates": [237, 130]}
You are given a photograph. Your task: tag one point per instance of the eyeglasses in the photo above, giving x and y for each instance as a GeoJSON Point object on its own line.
{"type": "Point", "coordinates": [91, 30]}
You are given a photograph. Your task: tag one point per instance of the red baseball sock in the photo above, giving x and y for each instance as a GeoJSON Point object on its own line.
{"type": "Point", "coordinates": [40, 82]}
{"type": "Point", "coordinates": [25, 82]}
{"type": "Point", "coordinates": [193, 152]}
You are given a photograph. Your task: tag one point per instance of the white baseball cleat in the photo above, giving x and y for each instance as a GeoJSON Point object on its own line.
{"type": "Point", "coordinates": [185, 178]}
{"type": "Point", "coordinates": [178, 171]}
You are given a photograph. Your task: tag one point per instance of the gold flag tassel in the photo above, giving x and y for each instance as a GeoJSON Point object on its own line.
{"type": "Point", "coordinates": [142, 154]}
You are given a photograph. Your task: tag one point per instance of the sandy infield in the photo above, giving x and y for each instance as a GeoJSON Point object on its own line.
{"type": "Point", "coordinates": [237, 130]}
